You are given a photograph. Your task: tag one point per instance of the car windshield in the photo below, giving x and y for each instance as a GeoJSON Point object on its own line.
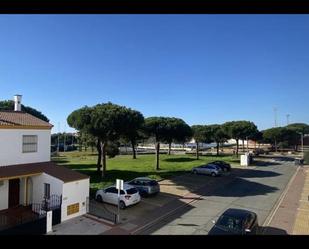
{"type": "Point", "coordinates": [230, 223]}
{"type": "Point", "coordinates": [131, 191]}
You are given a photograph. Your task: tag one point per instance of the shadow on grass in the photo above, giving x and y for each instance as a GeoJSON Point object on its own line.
{"type": "Point", "coordinates": [60, 160]}
{"type": "Point", "coordinates": [180, 159]}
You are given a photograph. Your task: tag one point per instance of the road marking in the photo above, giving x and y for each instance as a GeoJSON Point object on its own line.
{"type": "Point", "coordinates": [278, 203]}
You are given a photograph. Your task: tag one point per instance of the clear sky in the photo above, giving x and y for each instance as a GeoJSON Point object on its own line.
{"type": "Point", "coordinates": [202, 68]}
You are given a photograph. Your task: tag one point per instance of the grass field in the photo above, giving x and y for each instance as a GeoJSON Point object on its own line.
{"type": "Point", "coordinates": [126, 168]}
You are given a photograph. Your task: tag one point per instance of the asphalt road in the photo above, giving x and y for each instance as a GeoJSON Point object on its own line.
{"type": "Point", "coordinates": [257, 190]}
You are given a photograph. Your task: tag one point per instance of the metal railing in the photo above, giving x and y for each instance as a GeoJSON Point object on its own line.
{"type": "Point", "coordinates": [99, 210]}
{"type": "Point", "coordinates": [32, 212]}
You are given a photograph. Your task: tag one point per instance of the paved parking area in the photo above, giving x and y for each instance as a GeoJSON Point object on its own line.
{"type": "Point", "coordinates": [172, 190]}
{"type": "Point", "coordinates": [80, 226]}
{"type": "Point", "coordinates": [256, 190]}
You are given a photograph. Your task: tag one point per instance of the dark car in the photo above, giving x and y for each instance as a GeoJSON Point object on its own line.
{"type": "Point", "coordinates": [223, 165]}
{"type": "Point", "coordinates": [146, 186]}
{"type": "Point", "coordinates": [236, 222]}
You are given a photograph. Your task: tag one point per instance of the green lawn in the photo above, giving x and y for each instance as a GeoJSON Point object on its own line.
{"type": "Point", "coordinates": [126, 168]}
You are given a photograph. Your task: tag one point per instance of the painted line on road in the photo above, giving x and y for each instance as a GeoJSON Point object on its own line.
{"type": "Point", "coordinates": [278, 203]}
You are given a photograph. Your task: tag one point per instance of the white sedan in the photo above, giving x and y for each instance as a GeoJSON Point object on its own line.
{"type": "Point", "coordinates": [128, 196]}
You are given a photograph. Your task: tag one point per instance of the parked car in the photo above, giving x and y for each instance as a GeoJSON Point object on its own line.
{"type": "Point", "coordinates": [128, 196]}
{"type": "Point", "coordinates": [223, 165]}
{"type": "Point", "coordinates": [146, 186]}
{"type": "Point", "coordinates": [236, 222]}
{"type": "Point", "coordinates": [208, 169]}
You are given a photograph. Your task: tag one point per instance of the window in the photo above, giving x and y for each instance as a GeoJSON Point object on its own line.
{"type": "Point", "coordinates": [72, 209]}
{"type": "Point", "coordinates": [46, 190]}
{"type": "Point", "coordinates": [30, 143]}
{"type": "Point", "coordinates": [132, 191]}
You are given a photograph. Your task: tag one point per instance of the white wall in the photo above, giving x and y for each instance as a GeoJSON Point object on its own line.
{"type": "Point", "coordinates": [74, 192]}
{"type": "Point", "coordinates": [11, 146]}
{"type": "Point", "coordinates": [38, 186]}
{"type": "Point", "coordinates": [4, 195]}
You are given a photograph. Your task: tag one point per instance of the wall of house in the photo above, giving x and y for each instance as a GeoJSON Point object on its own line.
{"type": "Point", "coordinates": [11, 146]}
{"type": "Point", "coordinates": [4, 194]}
{"type": "Point", "coordinates": [75, 192]}
{"type": "Point", "coordinates": [56, 186]}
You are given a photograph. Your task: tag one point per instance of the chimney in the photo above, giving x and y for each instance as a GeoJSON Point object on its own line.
{"type": "Point", "coordinates": [17, 103]}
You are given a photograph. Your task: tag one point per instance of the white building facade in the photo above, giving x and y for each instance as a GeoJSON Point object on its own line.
{"type": "Point", "coordinates": [27, 176]}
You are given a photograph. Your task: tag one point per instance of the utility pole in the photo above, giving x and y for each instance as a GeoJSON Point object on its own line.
{"type": "Point", "coordinates": [58, 137]}
{"type": "Point", "coordinates": [64, 138]}
{"type": "Point", "coordinates": [275, 116]}
{"type": "Point", "coordinates": [287, 119]}
{"type": "Point", "coordinates": [302, 145]}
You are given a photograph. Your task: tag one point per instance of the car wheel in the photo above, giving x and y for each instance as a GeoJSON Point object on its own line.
{"type": "Point", "coordinates": [122, 205]}
{"type": "Point", "coordinates": [99, 198]}
{"type": "Point", "coordinates": [195, 172]}
{"type": "Point", "coordinates": [213, 174]}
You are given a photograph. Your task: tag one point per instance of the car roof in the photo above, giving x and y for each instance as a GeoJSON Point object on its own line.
{"type": "Point", "coordinates": [125, 186]}
{"type": "Point", "coordinates": [239, 213]}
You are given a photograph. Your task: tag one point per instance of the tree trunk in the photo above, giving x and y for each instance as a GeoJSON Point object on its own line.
{"type": "Point", "coordinates": [103, 151]}
{"type": "Point", "coordinates": [133, 149]}
{"type": "Point", "coordinates": [99, 165]}
{"type": "Point", "coordinates": [169, 148]}
{"type": "Point", "coordinates": [243, 145]}
{"type": "Point", "coordinates": [92, 149]}
{"type": "Point", "coordinates": [217, 148]}
{"type": "Point", "coordinates": [275, 145]}
{"type": "Point", "coordinates": [197, 151]}
{"type": "Point", "coordinates": [237, 146]}
{"type": "Point", "coordinates": [157, 155]}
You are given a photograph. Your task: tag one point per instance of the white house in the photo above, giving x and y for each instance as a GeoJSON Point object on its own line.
{"type": "Point", "coordinates": [27, 176]}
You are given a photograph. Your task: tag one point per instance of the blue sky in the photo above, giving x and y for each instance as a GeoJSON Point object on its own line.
{"type": "Point", "coordinates": [202, 68]}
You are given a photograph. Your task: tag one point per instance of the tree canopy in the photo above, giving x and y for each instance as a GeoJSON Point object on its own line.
{"type": "Point", "coordinates": [177, 131]}
{"type": "Point", "coordinates": [201, 134]}
{"type": "Point", "coordinates": [239, 130]}
{"type": "Point", "coordinates": [107, 122]}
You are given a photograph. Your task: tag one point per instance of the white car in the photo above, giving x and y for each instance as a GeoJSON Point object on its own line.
{"type": "Point", "coordinates": [128, 196]}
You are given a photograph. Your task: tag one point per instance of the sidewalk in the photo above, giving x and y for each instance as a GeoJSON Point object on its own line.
{"type": "Point", "coordinates": [287, 216]}
{"type": "Point", "coordinates": [301, 225]}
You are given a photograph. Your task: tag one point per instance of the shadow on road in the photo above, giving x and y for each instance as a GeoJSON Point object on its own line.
{"type": "Point", "coordinates": [273, 231]}
{"type": "Point", "coordinates": [252, 173]}
{"type": "Point", "coordinates": [180, 159]}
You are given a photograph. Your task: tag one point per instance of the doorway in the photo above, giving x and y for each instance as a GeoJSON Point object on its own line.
{"type": "Point", "coordinates": [14, 192]}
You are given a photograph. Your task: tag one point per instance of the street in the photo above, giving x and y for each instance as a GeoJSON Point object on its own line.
{"type": "Point", "coordinates": [256, 190]}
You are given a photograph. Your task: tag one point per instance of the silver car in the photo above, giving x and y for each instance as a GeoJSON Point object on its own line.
{"type": "Point", "coordinates": [146, 186]}
{"type": "Point", "coordinates": [208, 169]}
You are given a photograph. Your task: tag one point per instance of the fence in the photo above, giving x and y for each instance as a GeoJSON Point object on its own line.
{"type": "Point", "coordinates": [99, 210]}
{"type": "Point", "coordinates": [30, 219]}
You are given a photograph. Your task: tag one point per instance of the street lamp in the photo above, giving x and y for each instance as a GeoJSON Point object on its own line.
{"type": "Point", "coordinates": [302, 142]}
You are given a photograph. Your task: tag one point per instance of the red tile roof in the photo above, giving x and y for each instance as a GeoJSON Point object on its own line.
{"type": "Point", "coordinates": [18, 118]}
{"type": "Point", "coordinates": [62, 173]}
